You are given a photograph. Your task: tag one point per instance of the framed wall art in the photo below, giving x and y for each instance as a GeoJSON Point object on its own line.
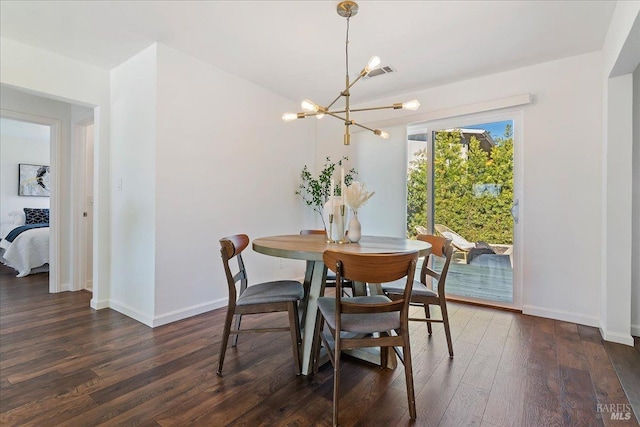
{"type": "Point", "coordinates": [34, 180]}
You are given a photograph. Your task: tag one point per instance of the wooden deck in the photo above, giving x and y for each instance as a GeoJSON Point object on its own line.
{"type": "Point", "coordinates": [490, 279]}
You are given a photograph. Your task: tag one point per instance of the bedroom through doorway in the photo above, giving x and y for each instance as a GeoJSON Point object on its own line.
{"type": "Point", "coordinates": [69, 126]}
{"type": "Point", "coordinates": [25, 189]}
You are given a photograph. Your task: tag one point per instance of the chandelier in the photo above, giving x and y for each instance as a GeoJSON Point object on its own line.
{"type": "Point", "coordinates": [347, 9]}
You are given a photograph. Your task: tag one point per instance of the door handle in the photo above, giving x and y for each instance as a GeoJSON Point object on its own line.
{"type": "Point", "coordinates": [515, 210]}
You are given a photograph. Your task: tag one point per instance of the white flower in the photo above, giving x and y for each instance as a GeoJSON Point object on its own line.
{"type": "Point", "coordinates": [356, 195]}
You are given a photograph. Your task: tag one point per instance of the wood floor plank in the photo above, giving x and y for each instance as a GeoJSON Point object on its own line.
{"type": "Point", "coordinates": [466, 408]}
{"type": "Point", "coordinates": [64, 364]}
{"type": "Point", "coordinates": [626, 364]}
{"type": "Point", "coordinates": [435, 396]}
{"type": "Point", "coordinates": [578, 400]}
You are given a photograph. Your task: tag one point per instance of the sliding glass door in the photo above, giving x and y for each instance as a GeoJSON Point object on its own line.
{"type": "Point", "coordinates": [461, 186]}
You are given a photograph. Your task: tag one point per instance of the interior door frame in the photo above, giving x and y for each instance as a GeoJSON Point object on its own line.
{"type": "Point", "coordinates": [54, 199]}
{"type": "Point", "coordinates": [517, 116]}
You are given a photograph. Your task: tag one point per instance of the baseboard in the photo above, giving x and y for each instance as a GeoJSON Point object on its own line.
{"type": "Point", "coordinates": [64, 287]}
{"type": "Point", "coordinates": [616, 337]}
{"type": "Point", "coordinates": [565, 316]}
{"type": "Point", "coordinates": [131, 312]}
{"type": "Point", "coordinates": [99, 304]}
{"type": "Point", "coordinates": [163, 319]}
{"type": "Point", "coordinates": [635, 330]}
{"type": "Point", "coordinates": [194, 310]}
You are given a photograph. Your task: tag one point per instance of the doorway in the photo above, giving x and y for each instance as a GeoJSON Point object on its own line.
{"type": "Point", "coordinates": [61, 118]}
{"type": "Point", "coordinates": [53, 129]}
{"type": "Point", "coordinates": [463, 185]}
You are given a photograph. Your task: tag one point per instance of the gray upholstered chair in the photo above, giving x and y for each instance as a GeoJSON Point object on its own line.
{"type": "Point", "coordinates": [423, 295]}
{"type": "Point", "coordinates": [369, 321]}
{"type": "Point", "coordinates": [268, 297]}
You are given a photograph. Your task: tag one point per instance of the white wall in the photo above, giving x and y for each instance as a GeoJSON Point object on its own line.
{"type": "Point", "coordinates": [42, 72]}
{"type": "Point", "coordinates": [133, 204]}
{"type": "Point", "coordinates": [202, 155]}
{"type": "Point", "coordinates": [20, 142]}
{"type": "Point", "coordinates": [382, 167]}
{"type": "Point", "coordinates": [561, 206]}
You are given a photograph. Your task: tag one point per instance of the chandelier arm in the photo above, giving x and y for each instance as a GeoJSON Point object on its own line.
{"type": "Point", "coordinates": [335, 100]}
{"type": "Point", "coordinates": [345, 92]}
{"type": "Point", "coordinates": [386, 107]}
{"type": "Point", "coordinates": [333, 114]}
{"type": "Point", "coordinates": [363, 127]}
{"type": "Point", "coordinates": [356, 80]}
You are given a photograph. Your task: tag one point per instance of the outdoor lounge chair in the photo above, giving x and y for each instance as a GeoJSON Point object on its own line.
{"type": "Point", "coordinates": [461, 244]}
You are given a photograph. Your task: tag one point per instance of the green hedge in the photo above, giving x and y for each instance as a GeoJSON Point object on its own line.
{"type": "Point", "coordinates": [473, 195]}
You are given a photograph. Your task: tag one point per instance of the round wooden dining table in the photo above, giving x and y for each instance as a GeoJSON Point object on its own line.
{"type": "Point", "coordinates": [310, 248]}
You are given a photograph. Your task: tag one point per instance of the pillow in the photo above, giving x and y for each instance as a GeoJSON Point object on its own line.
{"type": "Point", "coordinates": [36, 216]}
{"type": "Point", "coordinates": [17, 218]}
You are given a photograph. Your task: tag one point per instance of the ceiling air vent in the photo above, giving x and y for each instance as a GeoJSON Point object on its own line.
{"type": "Point", "coordinates": [380, 71]}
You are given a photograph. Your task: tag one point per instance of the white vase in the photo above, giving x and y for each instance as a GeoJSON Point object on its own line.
{"type": "Point", "coordinates": [355, 232]}
{"type": "Point", "coordinates": [337, 228]}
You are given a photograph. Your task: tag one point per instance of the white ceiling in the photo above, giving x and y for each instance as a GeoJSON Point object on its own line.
{"type": "Point", "coordinates": [296, 48]}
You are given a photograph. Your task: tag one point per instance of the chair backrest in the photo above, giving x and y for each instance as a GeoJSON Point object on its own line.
{"type": "Point", "coordinates": [372, 268]}
{"type": "Point", "coordinates": [440, 247]}
{"type": "Point", "coordinates": [442, 229]}
{"type": "Point", "coordinates": [304, 232]}
{"type": "Point", "coordinates": [231, 247]}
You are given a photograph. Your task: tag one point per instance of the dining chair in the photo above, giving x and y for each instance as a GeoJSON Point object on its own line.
{"type": "Point", "coordinates": [421, 293]}
{"type": "Point", "coordinates": [267, 297]}
{"type": "Point", "coordinates": [330, 280]}
{"type": "Point", "coordinates": [366, 321]}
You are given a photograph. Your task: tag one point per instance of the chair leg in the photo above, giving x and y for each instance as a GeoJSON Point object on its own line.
{"type": "Point", "coordinates": [294, 327]}
{"type": "Point", "coordinates": [447, 330]}
{"type": "Point", "coordinates": [235, 337]}
{"type": "Point", "coordinates": [408, 374]}
{"type": "Point", "coordinates": [225, 337]}
{"type": "Point", "coordinates": [384, 353]}
{"type": "Point", "coordinates": [427, 314]}
{"type": "Point", "coordinates": [336, 378]}
{"type": "Point", "coordinates": [315, 347]}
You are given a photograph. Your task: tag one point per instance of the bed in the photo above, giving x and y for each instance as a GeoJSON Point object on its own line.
{"type": "Point", "coordinates": [25, 247]}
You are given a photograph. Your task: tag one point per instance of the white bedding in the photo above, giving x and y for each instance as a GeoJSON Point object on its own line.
{"type": "Point", "coordinates": [28, 251]}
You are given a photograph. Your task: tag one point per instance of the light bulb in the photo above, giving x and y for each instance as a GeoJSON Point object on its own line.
{"type": "Point", "coordinates": [308, 105]}
{"type": "Point", "coordinates": [374, 61]}
{"type": "Point", "coordinates": [381, 133]}
{"type": "Point", "coordinates": [411, 105]}
{"type": "Point", "coordinates": [289, 117]}
{"type": "Point", "coordinates": [319, 116]}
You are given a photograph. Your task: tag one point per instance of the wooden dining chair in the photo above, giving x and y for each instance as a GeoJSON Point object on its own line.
{"type": "Point", "coordinates": [366, 321]}
{"type": "Point", "coordinates": [268, 297]}
{"type": "Point", "coordinates": [330, 281]}
{"type": "Point", "coordinates": [421, 293]}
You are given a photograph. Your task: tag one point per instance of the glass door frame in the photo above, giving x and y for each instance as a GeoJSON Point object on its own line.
{"type": "Point", "coordinates": [515, 115]}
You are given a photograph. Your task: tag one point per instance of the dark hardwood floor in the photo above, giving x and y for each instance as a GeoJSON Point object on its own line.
{"type": "Point", "coordinates": [62, 363]}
